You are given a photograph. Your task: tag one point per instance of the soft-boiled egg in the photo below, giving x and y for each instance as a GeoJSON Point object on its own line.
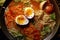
{"type": "Point", "coordinates": [21, 20]}
{"type": "Point", "coordinates": [29, 12]}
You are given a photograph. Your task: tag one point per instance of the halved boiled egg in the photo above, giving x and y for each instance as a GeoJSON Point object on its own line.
{"type": "Point", "coordinates": [21, 20]}
{"type": "Point", "coordinates": [29, 12]}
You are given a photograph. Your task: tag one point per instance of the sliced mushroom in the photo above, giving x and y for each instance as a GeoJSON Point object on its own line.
{"type": "Point", "coordinates": [42, 4]}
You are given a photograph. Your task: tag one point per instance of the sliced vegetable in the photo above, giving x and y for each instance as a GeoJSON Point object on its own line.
{"type": "Point", "coordinates": [20, 38]}
{"type": "Point", "coordinates": [15, 32]}
{"type": "Point", "coordinates": [42, 0]}
{"type": "Point", "coordinates": [37, 0]}
{"type": "Point", "coordinates": [43, 33]}
{"type": "Point", "coordinates": [2, 2]}
{"type": "Point", "coordinates": [53, 16]}
{"type": "Point", "coordinates": [42, 4]}
{"type": "Point", "coordinates": [27, 4]}
{"type": "Point", "coordinates": [17, 0]}
{"type": "Point", "coordinates": [25, 1]}
{"type": "Point", "coordinates": [47, 29]}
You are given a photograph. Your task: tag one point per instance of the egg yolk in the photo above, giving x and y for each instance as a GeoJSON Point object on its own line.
{"type": "Point", "coordinates": [28, 12]}
{"type": "Point", "coordinates": [21, 20]}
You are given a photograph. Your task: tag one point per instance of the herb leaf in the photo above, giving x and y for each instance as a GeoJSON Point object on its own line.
{"type": "Point", "coordinates": [15, 32]}
{"type": "Point", "coordinates": [17, 0]}
{"type": "Point", "coordinates": [47, 29]}
{"type": "Point", "coordinates": [42, 0]}
{"type": "Point", "coordinates": [53, 16]}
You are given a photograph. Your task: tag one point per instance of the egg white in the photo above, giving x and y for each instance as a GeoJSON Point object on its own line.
{"type": "Point", "coordinates": [32, 14]}
{"type": "Point", "coordinates": [26, 21]}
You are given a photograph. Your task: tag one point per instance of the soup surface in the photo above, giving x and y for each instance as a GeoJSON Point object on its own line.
{"type": "Point", "coordinates": [30, 19]}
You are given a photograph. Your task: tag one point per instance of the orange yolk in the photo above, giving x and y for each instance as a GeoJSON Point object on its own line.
{"type": "Point", "coordinates": [28, 12]}
{"type": "Point", "coordinates": [21, 20]}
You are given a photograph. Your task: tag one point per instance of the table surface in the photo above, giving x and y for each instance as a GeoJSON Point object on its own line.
{"type": "Point", "coordinates": [56, 37]}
